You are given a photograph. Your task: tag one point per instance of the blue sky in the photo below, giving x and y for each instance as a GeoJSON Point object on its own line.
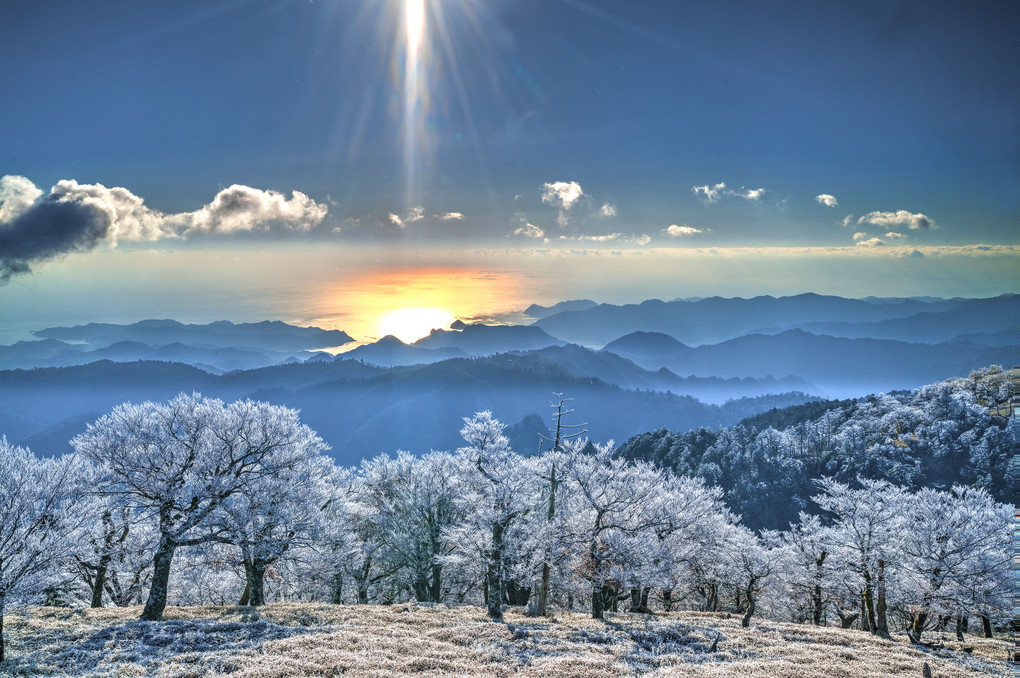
{"type": "Point", "coordinates": [523, 126]}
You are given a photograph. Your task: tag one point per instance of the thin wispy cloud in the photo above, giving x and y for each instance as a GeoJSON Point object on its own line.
{"type": "Point", "coordinates": [708, 193]}
{"type": "Point", "coordinates": [450, 216]}
{"type": "Point", "coordinates": [711, 193]}
{"type": "Point", "coordinates": [899, 218]}
{"type": "Point", "coordinates": [848, 221]}
{"type": "Point", "coordinates": [607, 210]}
{"type": "Point", "coordinates": [77, 217]}
{"type": "Point", "coordinates": [827, 199]}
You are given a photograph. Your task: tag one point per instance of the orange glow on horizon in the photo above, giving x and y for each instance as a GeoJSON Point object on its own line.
{"type": "Point", "coordinates": [408, 302]}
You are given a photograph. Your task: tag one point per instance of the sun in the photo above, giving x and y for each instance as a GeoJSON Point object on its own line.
{"type": "Point", "coordinates": [411, 324]}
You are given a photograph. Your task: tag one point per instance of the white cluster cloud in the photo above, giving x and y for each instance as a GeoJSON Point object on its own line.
{"type": "Point", "coordinates": [529, 230]}
{"type": "Point", "coordinates": [76, 217]}
{"type": "Point", "coordinates": [17, 194]}
{"type": "Point", "coordinates": [450, 216]}
{"type": "Point", "coordinates": [827, 199]}
{"type": "Point", "coordinates": [711, 194]}
{"type": "Point", "coordinates": [561, 194]}
{"type": "Point", "coordinates": [870, 242]}
{"type": "Point", "coordinates": [677, 231]}
{"type": "Point", "coordinates": [243, 208]}
{"type": "Point", "coordinates": [893, 235]}
{"type": "Point", "coordinates": [608, 210]}
{"type": "Point", "coordinates": [594, 238]}
{"type": "Point", "coordinates": [898, 218]}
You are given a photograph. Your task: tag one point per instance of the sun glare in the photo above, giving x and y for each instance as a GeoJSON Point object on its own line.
{"type": "Point", "coordinates": [411, 324]}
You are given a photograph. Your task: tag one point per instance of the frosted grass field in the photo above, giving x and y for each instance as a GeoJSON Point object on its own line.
{"type": "Point", "coordinates": [435, 640]}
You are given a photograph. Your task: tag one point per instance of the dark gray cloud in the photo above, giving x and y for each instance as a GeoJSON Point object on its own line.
{"type": "Point", "coordinates": [77, 217]}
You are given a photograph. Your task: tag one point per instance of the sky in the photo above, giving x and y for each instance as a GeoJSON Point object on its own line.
{"type": "Point", "coordinates": [334, 162]}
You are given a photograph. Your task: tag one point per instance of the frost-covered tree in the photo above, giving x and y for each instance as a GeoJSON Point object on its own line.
{"type": "Point", "coordinates": [37, 523]}
{"type": "Point", "coordinates": [412, 503]}
{"type": "Point", "coordinates": [953, 551]}
{"type": "Point", "coordinates": [865, 540]}
{"type": "Point", "coordinates": [498, 490]}
{"type": "Point", "coordinates": [180, 461]}
{"type": "Point", "coordinates": [276, 513]}
{"type": "Point", "coordinates": [616, 509]}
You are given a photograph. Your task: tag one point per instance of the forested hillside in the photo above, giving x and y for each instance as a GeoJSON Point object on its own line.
{"type": "Point", "coordinates": [946, 433]}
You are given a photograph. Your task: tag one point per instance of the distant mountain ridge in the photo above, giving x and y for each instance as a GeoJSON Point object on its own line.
{"type": "Point", "coordinates": [360, 410]}
{"type": "Point", "coordinates": [717, 319]}
{"type": "Point", "coordinates": [271, 335]}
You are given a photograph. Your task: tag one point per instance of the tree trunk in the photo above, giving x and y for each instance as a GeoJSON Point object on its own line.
{"type": "Point", "coordinates": [99, 582]}
{"type": "Point", "coordinates": [986, 626]}
{"type": "Point", "coordinates": [713, 597]}
{"type": "Point", "coordinates": [245, 595]}
{"type": "Point", "coordinates": [255, 575]}
{"type": "Point", "coordinates": [436, 588]}
{"type": "Point", "coordinates": [1, 630]}
{"type": "Point", "coordinates": [847, 620]}
{"type": "Point", "coordinates": [161, 562]}
{"type": "Point", "coordinates": [635, 599]}
{"type": "Point", "coordinates": [817, 604]}
{"type": "Point", "coordinates": [543, 591]}
{"type": "Point", "coordinates": [644, 600]}
{"type": "Point", "coordinates": [598, 602]}
{"type": "Point", "coordinates": [337, 594]}
{"type": "Point", "coordinates": [868, 605]}
{"type": "Point", "coordinates": [749, 593]}
{"type": "Point", "coordinates": [960, 626]}
{"type": "Point", "coordinates": [881, 625]}
{"type": "Point", "coordinates": [917, 622]}
{"type": "Point", "coordinates": [493, 578]}
{"type": "Point", "coordinates": [667, 600]}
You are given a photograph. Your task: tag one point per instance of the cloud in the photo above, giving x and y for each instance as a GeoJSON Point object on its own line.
{"type": "Point", "coordinates": [415, 214]}
{"type": "Point", "coordinates": [395, 219]}
{"type": "Point", "coordinates": [899, 218]}
{"type": "Point", "coordinates": [595, 238]}
{"type": "Point", "coordinates": [708, 193]}
{"type": "Point", "coordinates": [77, 217]}
{"type": "Point", "coordinates": [608, 210]}
{"type": "Point", "coordinates": [642, 239]}
{"type": "Point", "coordinates": [871, 242]}
{"type": "Point", "coordinates": [562, 194]}
{"type": "Point", "coordinates": [848, 220]}
{"type": "Point", "coordinates": [860, 235]}
{"type": "Point", "coordinates": [529, 230]}
{"type": "Point", "coordinates": [677, 231]}
{"type": "Point", "coordinates": [16, 195]}
{"type": "Point", "coordinates": [450, 216]}
{"type": "Point", "coordinates": [243, 208]}
{"type": "Point", "coordinates": [893, 235]}
{"type": "Point", "coordinates": [827, 200]}
{"type": "Point", "coordinates": [711, 194]}
{"type": "Point", "coordinates": [749, 193]}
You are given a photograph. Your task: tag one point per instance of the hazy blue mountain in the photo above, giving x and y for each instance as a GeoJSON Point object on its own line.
{"type": "Point", "coordinates": [840, 367]}
{"type": "Point", "coordinates": [537, 311]}
{"type": "Point", "coordinates": [267, 335]}
{"type": "Point", "coordinates": [390, 351]}
{"type": "Point", "coordinates": [611, 368]}
{"type": "Point", "coordinates": [994, 315]}
{"type": "Point", "coordinates": [640, 346]}
{"type": "Point", "coordinates": [55, 353]}
{"type": "Point", "coordinates": [359, 409]}
{"type": "Point", "coordinates": [1008, 337]}
{"type": "Point", "coordinates": [717, 319]}
{"type": "Point", "coordinates": [488, 339]}
{"type": "Point", "coordinates": [33, 353]}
